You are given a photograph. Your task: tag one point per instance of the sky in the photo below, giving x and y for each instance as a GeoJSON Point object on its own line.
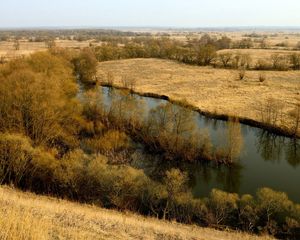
{"type": "Point", "coordinates": [150, 13]}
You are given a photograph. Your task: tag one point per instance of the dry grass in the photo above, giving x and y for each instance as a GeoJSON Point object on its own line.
{"type": "Point", "coordinates": [211, 90]}
{"type": "Point", "coordinates": [273, 37]}
{"type": "Point", "coordinates": [259, 54]}
{"type": "Point", "coordinates": [27, 216]}
{"type": "Point", "coordinates": [26, 48]}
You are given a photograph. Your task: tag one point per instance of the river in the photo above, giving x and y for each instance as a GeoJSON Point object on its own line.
{"type": "Point", "coordinates": [266, 160]}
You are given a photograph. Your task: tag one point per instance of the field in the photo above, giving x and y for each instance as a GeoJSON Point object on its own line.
{"type": "Point", "coordinates": [8, 51]}
{"type": "Point", "coordinates": [258, 54]}
{"type": "Point", "coordinates": [28, 216]}
{"type": "Point", "coordinates": [212, 90]}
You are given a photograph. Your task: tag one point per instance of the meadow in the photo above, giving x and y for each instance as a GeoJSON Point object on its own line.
{"type": "Point", "coordinates": [25, 215]}
{"type": "Point", "coordinates": [215, 91]}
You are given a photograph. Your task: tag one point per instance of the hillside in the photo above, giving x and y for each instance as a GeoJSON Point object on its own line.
{"type": "Point", "coordinates": [28, 216]}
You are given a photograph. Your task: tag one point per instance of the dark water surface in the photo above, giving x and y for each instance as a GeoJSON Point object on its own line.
{"type": "Point", "coordinates": [267, 160]}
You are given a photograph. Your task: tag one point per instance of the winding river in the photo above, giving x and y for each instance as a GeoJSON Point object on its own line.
{"type": "Point", "coordinates": [267, 160]}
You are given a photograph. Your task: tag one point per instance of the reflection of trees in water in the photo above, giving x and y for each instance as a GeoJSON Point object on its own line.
{"type": "Point", "coordinates": [293, 152]}
{"type": "Point", "coordinates": [245, 129]}
{"type": "Point", "coordinates": [270, 146]}
{"type": "Point", "coordinates": [204, 172]}
{"type": "Point", "coordinates": [229, 177]}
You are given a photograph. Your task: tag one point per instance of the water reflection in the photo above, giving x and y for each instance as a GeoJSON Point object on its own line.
{"type": "Point", "coordinates": [293, 152]}
{"type": "Point", "coordinates": [268, 160]}
{"type": "Point", "coordinates": [230, 177]}
{"type": "Point", "coordinates": [269, 145]}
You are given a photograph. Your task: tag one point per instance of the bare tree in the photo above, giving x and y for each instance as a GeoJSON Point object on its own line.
{"type": "Point", "coordinates": [271, 111]}
{"type": "Point", "coordinates": [225, 59]}
{"type": "Point", "coordinates": [295, 61]}
{"type": "Point", "coordinates": [279, 62]}
{"type": "Point", "coordinates": [128, 82]}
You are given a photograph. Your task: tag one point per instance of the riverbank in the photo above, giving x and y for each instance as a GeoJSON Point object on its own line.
{"type": "Point", "coordinates": [213, 92]}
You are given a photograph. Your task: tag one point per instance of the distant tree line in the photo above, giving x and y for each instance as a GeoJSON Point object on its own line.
{"type": "Point", "coordinates": [202, 52]}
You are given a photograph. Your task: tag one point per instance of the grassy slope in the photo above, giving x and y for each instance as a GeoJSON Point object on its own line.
{"type": "Point", "coordinates": [212, 90]}
{"type": "Point", "coordinates": [28, 216]}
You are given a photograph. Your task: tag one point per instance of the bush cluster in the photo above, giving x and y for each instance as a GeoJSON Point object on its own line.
{"type": "Point", "coordinates": [51, 143]}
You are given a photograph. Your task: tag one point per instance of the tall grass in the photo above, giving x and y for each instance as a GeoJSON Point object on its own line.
{"type": "Point", "coordinates": [27, 216]}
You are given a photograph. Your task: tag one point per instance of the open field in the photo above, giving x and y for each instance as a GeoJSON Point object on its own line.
{"type": "Point", "coordinates": [216, 91]}
{"type": "Point", "coordinates": [259, 54]}
{"type": "Point", "coordinates": [28, 216]}
{"type": "Point", "coordinates": [8, 51]}
{"type": "Point", "coordinates": [273, 38]}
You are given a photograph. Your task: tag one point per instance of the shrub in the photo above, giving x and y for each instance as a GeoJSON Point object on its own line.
{"type": "Point", "coordinates": [112, 141]}
{"type": "Point", "coordinates": [176, 184]}
{"type": "Point", "coordinates": [86, 66]}
{"type": "Point", "coordinates": [271, 111]}
{"type": "Point", "coordinates": [119, 186]}
{"type": "Point", "coordinates": [226, 59]}
{"type": "Point", "coordinates": [248, 216]}
{"type": "Point", "coordinates": [295, 61]}
{"type": "Point", "coordinates": [280, 62]}
{"type": "Point", "coordinates": [206, 55]}
{"type": "Point", "coordinates": [222, 207]}
{"type": "Point", "coordinates": [16, 154]}
{"type": "Point", "coordinates": [263, 65]}
{"type": "Point", "coordinates": [22, 163]}
{"type": "Point", "coordinates": [171, 129]}
{"type": "Point", "coordinates": [25, 90]}
{"type": "Point", "coordinates": [129, 83]}
{"type": "Point", "coordinates": [273, 208]}
{"type": "Point", "coordinates": [262, 77]}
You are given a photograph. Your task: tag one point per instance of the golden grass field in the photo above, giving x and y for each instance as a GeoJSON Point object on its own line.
{"type": "Point", "coordinates": [28, 216]}
{"type": "Point", "coordinates": [26, 48]}
{"type": "Point", "coordinates": [259, 54]}
{"type": "Point", "coordinates": [273, 38]}
{"type": "Point", "coordinates": [212, 90]}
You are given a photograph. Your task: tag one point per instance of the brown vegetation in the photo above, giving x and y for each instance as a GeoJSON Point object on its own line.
{"type": "Point", "coordinates": [214, 91]}
{"type": "Point", "coordinates": [21, 213]}
{"type": "Point", "coordinates": [51, 143]}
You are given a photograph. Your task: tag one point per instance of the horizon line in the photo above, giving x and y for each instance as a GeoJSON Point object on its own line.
{"type": "Point", "coordinates": [114, 27]}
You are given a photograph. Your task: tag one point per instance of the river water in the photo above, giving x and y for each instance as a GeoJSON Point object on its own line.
{"type": "Point", "coordinates": [267, 160]}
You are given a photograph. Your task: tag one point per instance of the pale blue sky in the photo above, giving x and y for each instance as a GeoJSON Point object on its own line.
{"type": "Point", "coordinates": [173, 13]}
